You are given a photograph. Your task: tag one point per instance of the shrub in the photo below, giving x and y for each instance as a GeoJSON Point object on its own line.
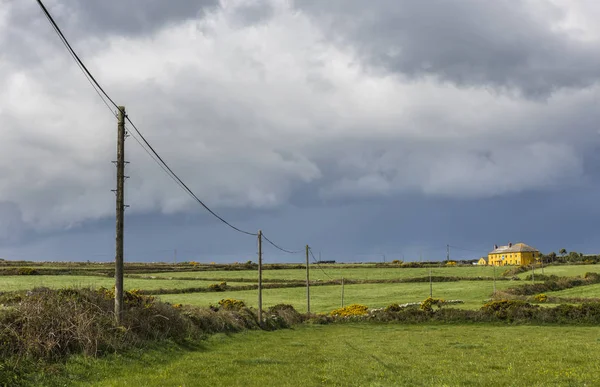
{"type": "Point", "coordinates": [514, 271]}
{"type": "Point", "coordinates": [509, 309]}
{"type": "Point", "coordinates": [350, 310]}
{"type": "Point", "coordinates": [285, 315]}
{"type": "Point", "coordinates": [541, 297]}
{"type": "Point", "coordinates": [220, 287]}
{"type": "Point", "coordinates": [231, 304]}
{"type": "Point", "coordinates": [26, 271]}
{"type": "Point", "coordinates": [428, 304]}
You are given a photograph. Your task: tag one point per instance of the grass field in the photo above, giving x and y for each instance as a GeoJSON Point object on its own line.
{"type": "Point", "coordinates": [361, 355]}
{"type": "Point", "coordinates": [328, 272]}
{"type": "Point", "coordinates": [323, 298]}
{"type": "Point", "coordinates": [565, 270]}
{"type": "Point", "coordinates": [327, 298]}
{"type": "Point", "coordinates": [21, 282]}
{"type": "Point", "coordinates": [589, 291]}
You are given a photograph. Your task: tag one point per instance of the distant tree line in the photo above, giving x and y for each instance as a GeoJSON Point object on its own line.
{"type": "Point", "coordinates": [564, 256]}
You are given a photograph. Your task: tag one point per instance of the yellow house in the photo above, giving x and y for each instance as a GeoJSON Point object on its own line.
{"type": "Point", "coordinates": [482, 261]}
{"type": "Point", "coordinates": [517, 254]}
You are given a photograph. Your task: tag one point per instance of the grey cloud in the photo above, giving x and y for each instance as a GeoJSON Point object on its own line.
{"type": "Point", "coordinates": [265, 118]}
{"type": "Point", "coordinates": [505, 44]}
{"type": "Point", "coordinates": [254, 12]}
{"type": "Point", "coordinates": [131, 17]}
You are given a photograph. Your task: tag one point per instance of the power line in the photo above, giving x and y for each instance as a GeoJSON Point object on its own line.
{"type": "Point", "coordinates": [281, 248]}
{"type": "Point", "coordinates": [72, 52]}
{"type": "Point", "coordinates": [185, 187]}
{"type": "Point", "coordinates": [317, 263]}
{"type": "Point", "coordinates": [74, 56]}
{"type": "Point", "coordinates": [93, 80]}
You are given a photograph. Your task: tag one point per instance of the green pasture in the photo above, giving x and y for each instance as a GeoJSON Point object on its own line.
{"type": "Point", "coordinates": [588, 291]}
{"type": "Point", "coordinates": [360, 355]}
{"type": "Point", "coordinates": [565, 270]}
{"type": "Point", "coordinates": [329, 272]}
{"type": "Point", "coordinates": [327, 298]}
{"type": "Point", "coordinates": [23, 282]}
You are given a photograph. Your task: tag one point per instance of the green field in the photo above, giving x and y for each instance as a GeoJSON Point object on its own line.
{"type": "Point", "coordinates": [361, 355]}
{"type": "Point", "coordinates": [589, 291]}
{"type": "Point", "coordinates": [565, 270]}
{"type": "Point", "coordinates": [323, 298]}
{"type": "Point", "coordinates": [22, 282]}
{"type": "Point", "coordinates": [327, 298]}
{"type": "Point", "coordinates": [329, 272]}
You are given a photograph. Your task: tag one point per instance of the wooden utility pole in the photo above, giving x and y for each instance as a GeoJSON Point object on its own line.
{"type": "Point", "coordinates": [430, 284]}
{"type": "Point", "coordinates": [494, 280]}
{"type": "Point", "coordinates": [120, 215]}
{"type": "Point", "coordinates": [307, 283]}
{"type": "Point", "coordinates": [447, 253]}
{"type": "Point", "coordinates": [260, 314]}
{"type": "Point", "coordinates": [342, 292]}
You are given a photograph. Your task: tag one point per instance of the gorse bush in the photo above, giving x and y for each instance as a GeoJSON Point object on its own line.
{"type": "Point", "coordinates": [220, 287]}
{"type": "Point", "coordinates": [231, 304]}
{"type": "Point", "coordinates": [351, 310]}
{"type": "Point", "coordinates": [541, 297]}
{"type": "Point", "coordinates": [428, 304]}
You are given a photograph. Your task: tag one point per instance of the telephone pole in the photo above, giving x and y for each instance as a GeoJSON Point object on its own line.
{"type": "Point", "coordinates": [447, 253]}
{"type": "Point", "coordinates": [307, 283]}
{"type": "Point", "coordinates": [260, 314]}
{"type": "Point", "coordinates": [120, 216]}
{"type": "Point", "coordinates": [342, 292]}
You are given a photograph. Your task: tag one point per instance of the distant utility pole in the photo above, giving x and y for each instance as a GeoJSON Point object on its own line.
{"type": "Point", "coordinates": [447, 253]}
{"type": "Point", "coordinates": [342, 292]}
{"type": "Point", "coordinates": [260, 316]}
{"type": "Point", "coordinates": [307, 283]}
{"type": "Point", "coordinates": [494, 280]}
{"type": "Point", "coordinates": [120, 215]}
{"type": "Point", "coordinates": [430, 284]}
{"type": "Point", "coordinates": [175, 256]}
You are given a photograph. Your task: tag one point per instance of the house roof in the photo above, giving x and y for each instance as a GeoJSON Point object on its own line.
{"type": "Point", "coordinates": [517, 247]}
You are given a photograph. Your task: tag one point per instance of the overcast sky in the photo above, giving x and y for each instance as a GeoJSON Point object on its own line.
{"type": "Point", "coordinates": [361, 128]}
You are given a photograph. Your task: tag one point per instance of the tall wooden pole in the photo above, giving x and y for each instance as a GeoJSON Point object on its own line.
{"type": "Point", "coordinates": [307, 283]}
{"type": "Point", "coordinates": [260, 310]}
{"type": "Point", "coordinates": [494, 280]}
{"type": "Point", "coordinates": [120, 215]}
{"type": "Point", "coordinates": [430, 284]}
{"type": "Point", "coordinates": [342, 292]}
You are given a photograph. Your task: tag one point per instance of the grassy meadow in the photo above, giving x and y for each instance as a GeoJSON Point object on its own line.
{"type": "Point", "coordinates": [327, 298]}
{"type": "Point", "coordinates": [565, 270]}
{"type": "Point", "coordinates": [340, 354]}
{"type": "Point", "coordinates": [328, 272]}
{"type": "Point", "coordinates": [23, 282]}
{"type": "Point", "coordinates": [324, 298]}
{"type": "Point", "coordinates": [361, 355]}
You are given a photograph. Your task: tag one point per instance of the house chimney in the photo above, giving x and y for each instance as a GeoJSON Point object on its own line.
{"type": "Point", "coordinates": [495, 247]}
{"type": "Point", "coordinates": [509, 244]}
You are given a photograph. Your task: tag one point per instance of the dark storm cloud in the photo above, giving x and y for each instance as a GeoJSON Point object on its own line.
{"type": "Point", "coordinates": [133, 17]}
{"type": "Point", "coordinates": [503, 44]}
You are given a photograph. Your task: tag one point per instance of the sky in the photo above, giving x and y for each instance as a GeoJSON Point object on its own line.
{"type": "Point", "coordinates": [370, 131]}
